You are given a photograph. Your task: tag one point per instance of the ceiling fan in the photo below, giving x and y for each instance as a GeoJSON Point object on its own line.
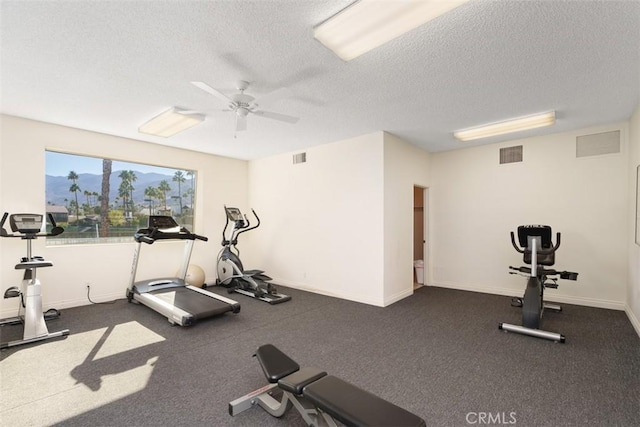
{"type": "Point", "coordinates": [242, 104]}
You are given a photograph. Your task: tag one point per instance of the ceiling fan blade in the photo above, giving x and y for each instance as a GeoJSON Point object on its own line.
{"type": "Point", "coordinates": [241, 122]}
{"type": "Point", "coordinates": [205, 87]}
{"type": "Point", "coordinates": [277, 116]}
{"type": "Point", "coordinates": [280, 93]}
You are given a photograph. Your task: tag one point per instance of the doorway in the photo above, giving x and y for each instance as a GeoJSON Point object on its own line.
{"type": "Point", "coordinates": [420, 233]}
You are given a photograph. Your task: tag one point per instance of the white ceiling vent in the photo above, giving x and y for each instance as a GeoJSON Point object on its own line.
{"type": "Point", "coordinates": [299, 158]}
{"type": "Point", "coordinates": [511, 154]}
{"type": "Point", "coordinates": [598, 144]}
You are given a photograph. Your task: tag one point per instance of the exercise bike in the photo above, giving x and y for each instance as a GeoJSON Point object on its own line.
{"type": "Point", "coordinates": [27, 227]}
{"type": "Point", "coordinates": [538, 251]}
{"type": "Point", "coordinates": [231, 273]}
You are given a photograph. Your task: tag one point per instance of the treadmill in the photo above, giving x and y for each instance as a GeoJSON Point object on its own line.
{"type": "Point", "coordinates": [173, 297]}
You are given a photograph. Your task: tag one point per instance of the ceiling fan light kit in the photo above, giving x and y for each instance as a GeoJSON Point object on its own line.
{"type": "Point", "coordinates": [243, 104]}
{"type": "Point", "coordinates": [367, 24]}
{"type": "Point", "coordinates": [171, 122]}
{"type": "Point", "coordinates": [514, 125]}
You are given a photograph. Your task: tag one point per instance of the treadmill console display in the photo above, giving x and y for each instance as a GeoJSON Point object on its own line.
{"type": "Point", "coordinates": [26, 223]}
{"type": "Point", "coordinates": [234, 214]}
{"type": "Point", "coordinates": [162, 222]}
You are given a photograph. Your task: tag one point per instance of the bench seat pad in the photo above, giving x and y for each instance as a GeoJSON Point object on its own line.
{"type": "Point", "coordinates": [275, 364]}
{"type": "Point", "coordinates": [297, 381]}
{"type": "Point", "coordinates": [354, 406]}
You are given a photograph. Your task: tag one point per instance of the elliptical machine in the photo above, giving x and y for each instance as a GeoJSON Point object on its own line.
{"type": "Point", "coordinates": [231, 273]}
{"type": "Point", "coordinates": [28, 226]}
{"type": "Point", "coordinates": [538, 251]}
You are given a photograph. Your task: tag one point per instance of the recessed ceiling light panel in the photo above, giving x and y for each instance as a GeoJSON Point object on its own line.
{"type": "Point", "coordinates": [171, 122]}
{"type": "Point", "coordinates": [367, 24]}
{"type": "Point", "coordinates": [509, 126]}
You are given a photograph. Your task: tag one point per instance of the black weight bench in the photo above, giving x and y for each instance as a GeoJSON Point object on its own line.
{"type": "Point", "coordinates": [321, 399]}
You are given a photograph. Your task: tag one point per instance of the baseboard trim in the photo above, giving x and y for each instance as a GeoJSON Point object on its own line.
{"type": "Point", "coordinates": [63, 304]}
{"type": "Point", "coordinates": [588, 302]}
{"type": "Point", "coordinates": [399, 296]}
{"type": "Point", "coordinates": [307, 288]}
{"type": "Point", "coordinates": [633, 319]}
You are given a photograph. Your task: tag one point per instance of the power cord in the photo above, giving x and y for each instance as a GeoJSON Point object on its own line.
{"type": "Point", "coordinates": [93, 302]}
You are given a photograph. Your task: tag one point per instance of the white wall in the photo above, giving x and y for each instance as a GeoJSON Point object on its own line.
{"type": "Point", "coordinates": [633, 289]}
{"type": "Point", "coordinates": [342, 223]}
{"type": "Point", "coordinates": [106, 267]}
{"type": "Point", "coordinates": [475, 203]}
{"type": "Point", "coordinates": [405, 165]}
{"type": "Point", "coordinates": [322, 221]}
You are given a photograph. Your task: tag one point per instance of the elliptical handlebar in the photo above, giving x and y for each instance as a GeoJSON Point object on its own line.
{"type": "Point", "coordinates": [241, 225]}
{"type": "Point", "coordinates": [247, 226]}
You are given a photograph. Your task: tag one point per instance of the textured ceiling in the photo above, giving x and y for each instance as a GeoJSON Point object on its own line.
{"type": "Point", "coordinates": [108, 66]}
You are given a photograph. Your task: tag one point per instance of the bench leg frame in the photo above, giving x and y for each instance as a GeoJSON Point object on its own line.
{"type": "Point", "coordinates": [263, 398]}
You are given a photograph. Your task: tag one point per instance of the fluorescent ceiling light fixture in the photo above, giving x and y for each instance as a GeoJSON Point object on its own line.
{"type": "Point", "coordinates": [367, 24]}
{"type": "Point", "coordinates": [515, 125]}
{"type": "Point", "coordinates": [171, 122]}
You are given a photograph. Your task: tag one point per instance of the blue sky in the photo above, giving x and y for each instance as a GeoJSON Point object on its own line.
{"type": "Point", "coordinates": [60, 164]}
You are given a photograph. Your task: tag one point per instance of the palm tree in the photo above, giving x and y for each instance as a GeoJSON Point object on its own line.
{"type": "Point", "coordinates": [132, 178]}
{"type": "Point", "coordinates": [191, 191]}
{"type": "Point", "coordinates": [151, 194]}
{"type": "Point", "coordinates": [74, 189]}
{"type": "Point", "coordinates": [164, 188]}
{"type": "Point", "coordinates": [123, 193]}
{"type": "Point", "coordinates": [104, 201]}
{"type": "Point", "coordinates": [179, 178]}
{"type": "Point", "coordinates": [126, 189]}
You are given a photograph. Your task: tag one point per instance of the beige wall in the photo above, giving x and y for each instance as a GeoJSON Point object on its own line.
{"type": "Point", "coordinates": [405, 165]}
{"type": "Point", "coordinates": [633, 289]}
{"type": "Point", "coordinates": [106, 267]}
{"type": "Point", "coordinates": [340, 224]}
{"type": "Point", "coordinates": [322, 221]}
{"type": "Point", "coordinates": [475, 203]}
{"type": "Point", "coordinates": [337, 224]}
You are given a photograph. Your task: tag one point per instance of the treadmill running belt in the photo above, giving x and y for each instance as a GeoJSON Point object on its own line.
{"type": "Point", "coordinates": [199, 305]}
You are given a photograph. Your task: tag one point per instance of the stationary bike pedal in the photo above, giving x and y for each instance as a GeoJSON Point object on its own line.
{"type": "Point", "coordinates": [551, 285]}
{"type": "Point", "coordinates": [516, 302]}
{"type": "Point", "coordinates": [12, 292]}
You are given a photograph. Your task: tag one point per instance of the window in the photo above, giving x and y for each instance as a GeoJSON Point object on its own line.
{"type": "Point", "coordinates": [107, 201]}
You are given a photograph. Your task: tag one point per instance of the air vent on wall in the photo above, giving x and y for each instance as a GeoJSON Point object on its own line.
{"type": "Point", "coordinates": [598, 144]}
{"type": "Point", "coordinates": [511, 154]}
{"type": "Point", "coordinates": [299, 158]}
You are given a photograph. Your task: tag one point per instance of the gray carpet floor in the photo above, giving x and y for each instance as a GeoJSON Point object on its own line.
{"type": "Point", "coordinates": [438, 354]}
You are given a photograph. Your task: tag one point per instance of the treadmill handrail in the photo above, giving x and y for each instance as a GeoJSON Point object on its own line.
{"type": "Point", "coordinates": [150, 235]}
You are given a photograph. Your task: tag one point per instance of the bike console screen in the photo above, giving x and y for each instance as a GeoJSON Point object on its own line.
{"type": "Point", "coordinates": [26, 223]}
